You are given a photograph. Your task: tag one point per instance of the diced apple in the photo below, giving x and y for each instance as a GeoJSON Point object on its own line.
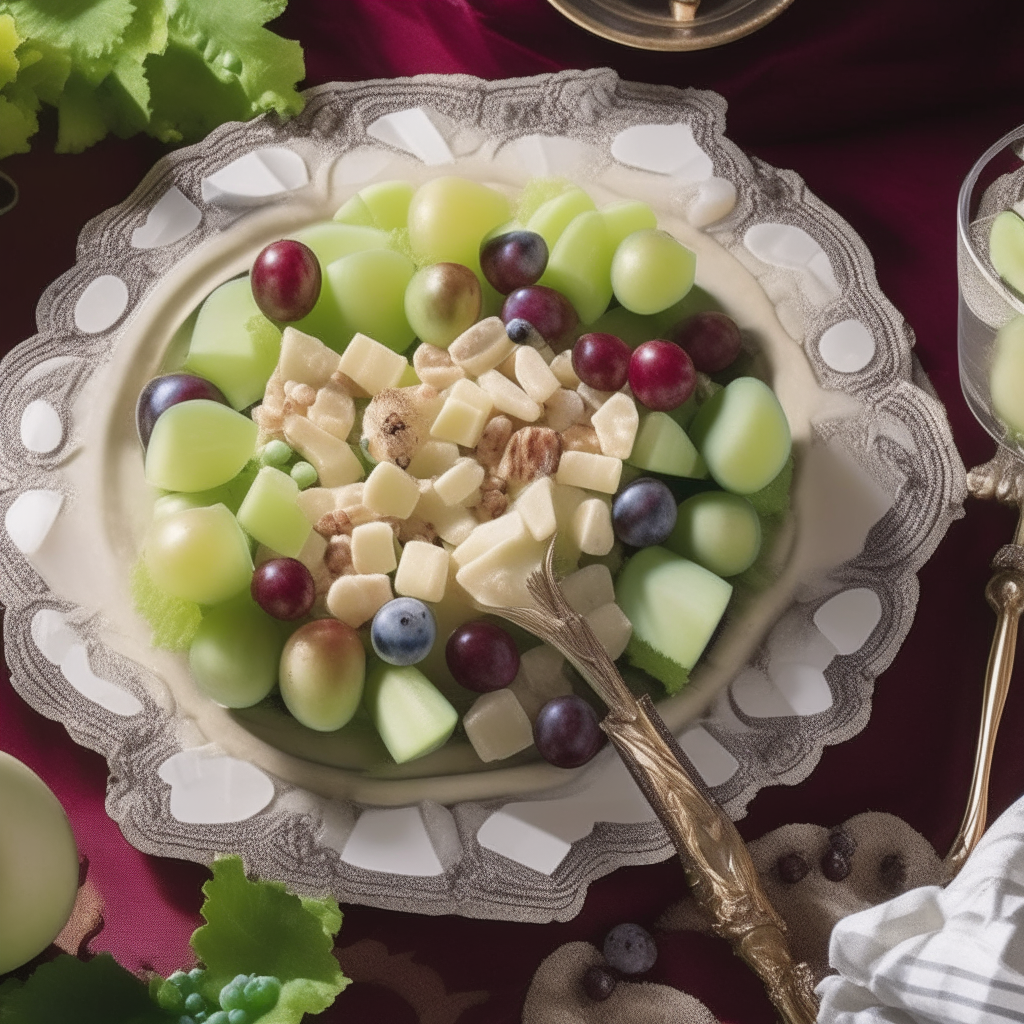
{"type": "Point", "coordinates": [541, 678]}
{"type": "Point", "coordinates": [390, 491]}
{"type": "Point", "coordinates": [305, 359]}
{"type": "Point", "coordinates": [537, 507]}
{"type": "Point", "coordinates": [271, 515]}
{"type": "Point", "coordinates": [497, 726]}
{"type": "Point", "coordinates": [561, 367]}
{"type": "Point", "coordinates": [373, 548]}
{"type": "Point", "coordinates": [509, 397]}
{"type": "Point", "coordinates": [356, 599]}
{"type": "Point", "coordinates": [617, 423]}
{"type": "Point", "coordinates": [333, 411]}
{"type": "Point", "coordinates": [595, 472]}
{"type": "Point", "coordinates": [422, 571]}
{"type": "Point", "coordinates": [563, 409]}
{"type": "Point", "coordinates": [588, 588]}
{"type": "Point", "coordinates": [533, 374]}
{"type": "Point", "coordinates": [433, 459]}
{"type": "Point", "coordinates": [482, 347]}
{"type": "Point", "coordinates": [453, 523]}
{"type": "Point", "coordinates": [486, 536]}
{"type": "Point", "coordinates": [464, 414]}
{"type": "Point", "coordinates": [371, 365]}
{"type": "Point", "coordinates": [498, 577]}
{"type": "Point", "coordinates": [662, 446]}
{"type": "Point", "coordinates": [316, 502]}
{"type": "Point", "coordinates": [459, 482]}
{"type": "Point", "coordinates": [592, 527]}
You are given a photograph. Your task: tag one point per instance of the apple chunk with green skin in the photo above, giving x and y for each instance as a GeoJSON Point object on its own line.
{"type": "Point", "coordinates": [1007, 375]}
{"type": "Point", "coordinates": [198, 445]}
{"type": "Point", "coordinates": [410, 713]}
{"type": "Point", "coordinates": [1006, 248]}
{"type": "Point", "coordinates": [270, 513]}
{"type": "Point", "coordinates": [673, 604]}
{"type": "Point", "coordinates": [233, 344]}
{"type": "Point", "coordinates": [661, 446]}
{"type": "Point", "coordinates": [198, 554]}
{"type": "Point", "coordinates": [323, 670]}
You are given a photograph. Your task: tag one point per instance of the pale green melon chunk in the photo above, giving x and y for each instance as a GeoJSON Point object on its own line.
{"type": "Point", "coordinates": [718, 530]}
{"type": "Point", "coordinates": [198, 445]}
{"type": "Point", "coordinates": [270, 513]}
{"type": "Point", "coordinates": [743, 434]}
{"type": "Point", "coordinates": [580, 265]}
{"type": "Point", "coordinates": [673, 603]}
{"type": "Point", "coordinates": [551, 218]}
{"type": "Point", "coordinates": [330, 241]}
{"type": "Point", "coordinates": [1006, 248]}
{"type": "Point", "coordinates": [198, 554]}
{"type": "Point", "coordinates": [354, 211]}
{"type": "Point", "coordinates": [662, 446]}
{"type": "Point", "coordinates": [388, 203]}
{"type": "Point", "coordinates": [368, 290]}
{"type": "Point", "coordinates": [1006, 378]}
{"type": "Point", "coordinates": [652, 271]}
{"type": "Point", "coordinates": [625, 217]}
{"type": "Point", "coordinates": [233, 344]}
{"type": "Point", "coordinates": [410, 713]}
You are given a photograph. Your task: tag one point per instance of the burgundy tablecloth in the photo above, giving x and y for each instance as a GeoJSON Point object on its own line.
{"type": "Point", "coordinates": [882, 108]}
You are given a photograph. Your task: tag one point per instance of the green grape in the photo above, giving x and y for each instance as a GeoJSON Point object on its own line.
{"type": "Point", "coordinates": [194, 1003]}
{"type": "Point", "coordinates": [651, 271]}
{"type": "Point", "coordinates": [368, 289]}
{"type": "Point", "coordinates": [441, 302]}
{"type": "Point", "coordinates": [550, 219]}
{"type": "Point", "coordinates": [388, 203]}
{"type": "Point", "coordinates": [233, 344]}
{"type": "Point", "coordinates": [198, 554]}
{"type": "Point", "coordinates": [448, 218]}
{"type": "Point", "coordinates": [718, 530]}
{"type": "Point", "coordinates": [238, 1017]}
{"type": "Point", "coordinates": [330, 241]}
{"type": "Point", "coordinates": [170, 996]}
{"type": "Point", "coordinates": [270, 513]}
{"type": "Point", "coordinates": [235, 654]}
{"type": "Point", "coordinates": [354, 211]}
{"type": "Point", "coordinates": [580, 265]}
{"type": "Point", "coordinates": [219, 1017]}
{"type": "Point", "coordinates": [625, 217]}
{"type": "Point", "coordinates": [232, 995]}
{"type": "Point", "coordinates": [261, 994]}
{"type": "Point", "coordinates": [198, 445]}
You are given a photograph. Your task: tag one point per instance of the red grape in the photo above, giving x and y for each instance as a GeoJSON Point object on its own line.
{"type": "Point", "coordinates": [513, 260]}
{"type": "Point", "coordinates": [283, 588]}
{"type": "Point", "coordinates": [567, 732]}
{"type": "Point", "coordinates": [712, 339]}
{"type": "Point", "coordinates": [285, 280]}
{"type": "Point", "coordinates": [549, 311]}
{"type": "Point", "coordinates": [661, 375]}
{"type": "Point", "coordinates": [482, 656]}
{"type": "Point", "coordinates": [601, 361]}
{"type": "Point", "coordinates": [163, 392]}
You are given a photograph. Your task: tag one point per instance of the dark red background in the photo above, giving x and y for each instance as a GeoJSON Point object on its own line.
{"type": "Point", "coordinates": [882, 108]}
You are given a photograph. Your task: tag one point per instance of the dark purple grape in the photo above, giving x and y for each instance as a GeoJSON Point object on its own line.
{"type": "Point", "coordinates": [661, 375]}
{"type": "Point", "coordinates": [892, 872]}
{"type": "Point", "coordinates": [283, 588]}
{"type": "Point", "coordinates": [522, 332]}
{"type": "Point", "coordinates": [835, 865]}
{"type": "Point", "coordinates": [285, 280]}
{"type": "Point", "coordinates": [163, 392]}
{"type": "Point", "coordinates": [601, 361]}
{"type": "Point", "coordinates": [482, 656]}
{"type": "Point", "coordinates": [712, 339]}
{"type": "Point", "coordinates": [550, 312]}
{"type": "Point", "coordinates": [792, 868]}
{"type": "Point", "coordinates": [644, 513]}
{"type": "Point", "coordinates": [630, 949]}
{"type": "Point", "coordinates": [513, 260]}
{"type": "Point", "coordinates": [567, 732]}
{"type": "Point", "coordinates": [403, 631]}
{"type": "Point", "coordinates": [598, 983]}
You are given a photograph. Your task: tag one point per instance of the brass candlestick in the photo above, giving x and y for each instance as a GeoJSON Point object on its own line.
{"type": "Point", "coordinates": [718, 867]}
{"type": "Point", "coordinates": [1002, 478]}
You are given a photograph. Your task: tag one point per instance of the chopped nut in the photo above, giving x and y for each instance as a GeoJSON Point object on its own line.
{"type": "Point", "coordinates": [338, 556]}
{"type": "Point", "coordinates": [494, 483]}
{"type": "Point", "coordinates": [492, 504]}
{"type": "Point", "coordinates": [531, 452]}
{"type": "Point", "coordinates": [580, 438]}
{"type": "Point", "coordinates": [273, 396]}
{"type": "Point", "coordinates": [434, 366]}
{"type": "Point", "coordinates": [299, 394]}
{"type": "Point", "coordinates": [331, 524]}
{"type": "Point", "coordinates": [348, 385]}
{"type": "Point", "coordinates": [492, 443]}
{"type": "Point", "coordinates": [415, 528]}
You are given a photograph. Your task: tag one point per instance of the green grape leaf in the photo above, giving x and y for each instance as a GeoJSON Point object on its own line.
{"type": "Point", "coordinates": [772, 500]}
{"type": "Point", "coordinates": [9, 42]}
{"type": "Point", "coordinates": [642, 655]}
{"type": "Point", "coordinates": [17, 124]}
{"type": "Point", "coordinates": [261, 928]}
{"type": "Point", "coordinates": [42, 76]}
{"type": "Point", "coordinates": [96, 991]}
{"type": "Point", "coordinates": [80, 120]}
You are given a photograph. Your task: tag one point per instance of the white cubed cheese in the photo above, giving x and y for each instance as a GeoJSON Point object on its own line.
{"type": "Point", "coordinates": [482, 347]}
{"type": "Point", "coordinates": [356, 599]}
{"type": "Point", "coordinates": [434, 366]}
{"type": "Point", "coordinates": [373, 548]}
{"type": "Point", "coordinates": [534, 375]}
{"type": "Point", "coordinates": [588, 588]}
{"type": "Point", "coordinates": [464, 414]}
{"type": "Point", "coordinates": [452, 523]}
{"type": "Point", "coordinates": [592, 527]}
{"type": "Point", "coordinates": [497, 726]}
{"type": "Point", "coordinates": [458, 483]}
{"type": "Point", "coordinates": [371, 365]}
{"type": "Point", "coordinates": [611, 627]}
{"type": "Point", "coordinates": [616, 424]}
{"type": "Point", "coordinates": [561, 367]}
{"type": "Point", "coordinates": [537, 507]}
{"type": "Point", "coordinates": [316, 502]}
{"type": "Point", "coordinates": [592, 398]}
{"type": "Point", "coordinates": [422, 571]}
{"type": "Point", "coordinates": [333, 459]}
{"type": "Point", "coordinates": [498, 577]}
{"type": "Point", "coordinates": [390, 491]}
{"type": "Point", "coordinates": [305, 359]}
{"type": "Point", "coordinates": [489, 535]}
{"type": "Point", "coordinates": [594, 472]}
{"type": "Point", "coordinates": [433, 458]}
{"type": "Point", "coordinates": [509, 397]}
{"type": "Point", "coordinates": [563, 409]}
{"type": "Point", "coordinates": [541, 678]}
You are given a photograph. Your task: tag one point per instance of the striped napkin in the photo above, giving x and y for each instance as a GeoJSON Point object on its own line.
{"type": "Point", "coordinates": [933, 954]}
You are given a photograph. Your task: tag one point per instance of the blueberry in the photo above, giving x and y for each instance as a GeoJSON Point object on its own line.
{"type": "Point", "coordinates": [792, 868]}
{"type": "Point", "coordinates": [630, 949]}
{"type": "Point", "coordinates": [403, 631]}
{"type": "Point", "coordinates": [644, 513]}
{"type": "Point", "coordinates": [518, 330]}
{"type": "Point", "coordinates": [599, 983]}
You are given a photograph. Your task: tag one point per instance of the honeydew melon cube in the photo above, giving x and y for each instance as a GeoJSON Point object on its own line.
{"type": "Point", "coordinates": [536, 505]}
{"type": "Point", "coordinates": [626, 216]}
{"type": "Point", "coordinates": [233, 344]}
{"type": "Point", "coordinates": [270, 513]}
{"type": "Point", "coordinates": [371, 365]}
{"type": "Point", "coordinates": [198, 445]}
{"type": "Point", "coordinates": [580, 265]}
{"type": "Point", "coordinates": [333, 459]}
{"type": "Point", "coordinates": [551, 218]}
{"type": "Point", "coordinates": [1006, 248]}
{"type": "Point", "coordinates": [198, 554]}
{"type": "Point", "coordinates": [662, 446]}
{"type": "Point", "coordinates": [388, 203]}
{"type": "Point", "coordinates": [674, 604]}
{"type": "Point", "coordinates": [718, 530]}
{"type": "Point", "coordinates": [373, 548]}
{"type": "Point", "coordinates": [422, 571]}
{"type": "Point", "coordinates": [332, 239]}
{"type": "Point", "coordinates": [588, 588]}
{"type": "Point", "coordinates": [390, 491]}
{"type": "Point", "coordinates": [410, 713]}
{"type": "Point", "coordinates": [743, 435]}
{"type": "Point", "coordinates": [456, 484]}
{"type": "Point", "coordinates": [497, 726]}
{"type": "Point", "coordinates": [356, 599]}
{"type": "Point", "coordinates": [541, 678]}
{"type": "Point", "coordinates": [1007, 375]}
{"type": "Point", "coordinates": [585, 469]}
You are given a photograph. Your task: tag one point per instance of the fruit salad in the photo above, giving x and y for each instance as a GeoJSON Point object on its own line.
{"type": "Point", "coordinates": [377, 433]}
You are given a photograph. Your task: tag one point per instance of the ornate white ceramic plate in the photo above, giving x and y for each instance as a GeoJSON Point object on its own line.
{"type": "Point", "coordinates": [878, 481]}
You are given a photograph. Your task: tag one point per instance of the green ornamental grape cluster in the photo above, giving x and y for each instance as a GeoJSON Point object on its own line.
{"type": "Point", "coordinates": [245, 998]}
{"type": "Point", "coordinates": [174, 69]}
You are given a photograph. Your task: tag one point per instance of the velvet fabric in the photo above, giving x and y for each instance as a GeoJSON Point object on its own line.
{"type": "Point", "coordinates": [882, 108]}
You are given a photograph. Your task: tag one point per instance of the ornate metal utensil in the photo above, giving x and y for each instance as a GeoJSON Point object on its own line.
{"type": "Point", "coordinates": [716, 861]}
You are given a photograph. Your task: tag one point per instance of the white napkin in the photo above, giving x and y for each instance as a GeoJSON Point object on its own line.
{"type": "Point", "coordinates": [932, 954]}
